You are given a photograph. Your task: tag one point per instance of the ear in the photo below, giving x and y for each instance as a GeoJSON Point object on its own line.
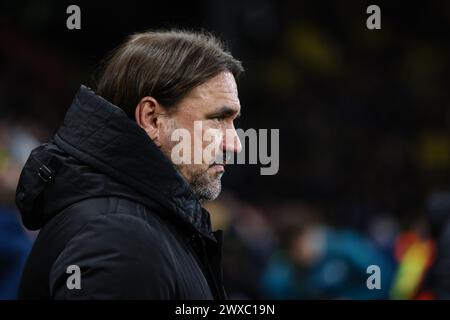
{"type": "Point", "coordinates": [147, 113]}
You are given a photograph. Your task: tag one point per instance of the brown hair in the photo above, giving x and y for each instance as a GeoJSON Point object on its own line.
{"type": "Point", "coordinates": [163, 64]}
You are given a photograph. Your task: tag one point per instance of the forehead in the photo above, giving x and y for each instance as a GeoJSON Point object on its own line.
{"type": "Point", "coordinates": [222, 83]}
{"type": "Point", "coordinates": [215, 93]}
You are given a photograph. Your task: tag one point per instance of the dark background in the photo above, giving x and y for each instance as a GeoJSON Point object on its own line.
{"type": "Point", "coordinates": [363, 114]}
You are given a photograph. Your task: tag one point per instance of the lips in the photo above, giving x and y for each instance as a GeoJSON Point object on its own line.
{"type": "Point", "coordinates": [218, 167]}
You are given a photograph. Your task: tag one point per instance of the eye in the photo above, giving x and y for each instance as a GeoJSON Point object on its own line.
{"type": "Point", "coordinates": [219, 118]}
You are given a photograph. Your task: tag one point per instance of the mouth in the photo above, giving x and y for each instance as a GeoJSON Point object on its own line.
{"type": "Point", "coordinates": [218, 167]}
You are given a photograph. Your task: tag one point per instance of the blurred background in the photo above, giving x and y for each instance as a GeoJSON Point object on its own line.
{"type": "Point", "coordinates": [364, 119]}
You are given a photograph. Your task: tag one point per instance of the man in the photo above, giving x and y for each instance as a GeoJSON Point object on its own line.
{"type": "Point", "coordinates": [120, 218]}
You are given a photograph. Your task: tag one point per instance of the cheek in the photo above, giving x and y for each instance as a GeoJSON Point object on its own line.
{"type": "Point", "coordinates": [212, 143]}
{"type": "Point", "coordinates": [165, 138]}
{"type": "Point", "coordinates": [212, 133]}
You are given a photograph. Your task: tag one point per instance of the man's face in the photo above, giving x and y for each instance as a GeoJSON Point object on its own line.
{"type": "Point", "coordinates": [207, 113]}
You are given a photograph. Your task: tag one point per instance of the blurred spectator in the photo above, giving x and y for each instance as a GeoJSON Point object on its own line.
{"type": "Point", "coordinates": [15, 243]}
{"type": "Point", "coordinates": [322, 263]}
{"type": "Point", "coordinates": [249, 243]}
{"type": "Point", "coordinates": [438, 213]}
{"type": "Point", "coordinates": [415, 252]}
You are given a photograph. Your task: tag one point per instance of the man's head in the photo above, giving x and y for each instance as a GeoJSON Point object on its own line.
{"type": "Point", "coordinates": [172, 81]}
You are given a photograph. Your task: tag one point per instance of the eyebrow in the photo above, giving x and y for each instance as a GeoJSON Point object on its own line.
{"type": "Point", "coordinates": [224, 111]}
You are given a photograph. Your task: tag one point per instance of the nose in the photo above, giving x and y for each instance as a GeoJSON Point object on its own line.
{"type": "Point", "coordinates": [231, 142]}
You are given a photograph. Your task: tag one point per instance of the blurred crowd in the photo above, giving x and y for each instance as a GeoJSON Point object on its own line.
{"type": "Point", "coordinates": [364, 119]}
{"type": "Point", "coordinates": [288, 251]}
